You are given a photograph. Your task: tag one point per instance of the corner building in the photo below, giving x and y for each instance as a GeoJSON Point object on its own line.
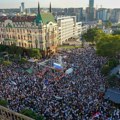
{"type": "Point", "coordinates": [30, 31]}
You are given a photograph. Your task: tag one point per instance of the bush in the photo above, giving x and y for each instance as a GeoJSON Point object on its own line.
{"type": "Point", "coordinates": [3, 103]}
{"type": "Point", "coordinates": [7, 63]}
{"type": "Point", "coordinates": [31, 114]}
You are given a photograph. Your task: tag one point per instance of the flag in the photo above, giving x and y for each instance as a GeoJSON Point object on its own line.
{"type": "Point", "coordinates": [57, 66]}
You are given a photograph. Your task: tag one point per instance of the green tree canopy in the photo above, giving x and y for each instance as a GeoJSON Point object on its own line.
{"type": "Point", "coordinates": [116, 32]}
{"type": "Point", "coordinates": [35, 53]}
{"type": "Point", "coordinates": [93, 35]}
{"type": "Point", "coordinates": [108, 24]}
{"type": "Point", "coordinates": [19, 51]}
{"type": "Point", "coordinates": [109, 45]}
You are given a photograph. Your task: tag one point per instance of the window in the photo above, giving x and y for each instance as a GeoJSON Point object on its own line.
{"type": "Point", "coordinates": [18, 37]}
{"type": "Point", "coordinates": [3, 36]}
{"type": "Point", "coordinates": [21, 37]}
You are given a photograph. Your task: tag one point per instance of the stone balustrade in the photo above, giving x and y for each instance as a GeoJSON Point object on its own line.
{"type": "Point", "coordinates": [6, 114]}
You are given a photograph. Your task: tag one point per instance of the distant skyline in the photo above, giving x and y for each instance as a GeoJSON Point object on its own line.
{"type": "Point", "coordinates": [59, 3]}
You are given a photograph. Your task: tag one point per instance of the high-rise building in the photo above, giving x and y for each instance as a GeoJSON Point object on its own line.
{"type": "Point", "coordinates": [22, 7]}
{"type": "Point", "coordinates": [115, 15]}
{"type": "Point", "coordinates": [103, 14]}
{"type": "Point", "coordinates": [71, 11]}
{"type": "Point", "coordinates": [79, 14]}
{"type": "Point", "coordinates": [91, 10]}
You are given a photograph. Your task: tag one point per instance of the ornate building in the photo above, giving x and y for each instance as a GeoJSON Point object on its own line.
{"type": "Point", "coordinates": [30, 31]}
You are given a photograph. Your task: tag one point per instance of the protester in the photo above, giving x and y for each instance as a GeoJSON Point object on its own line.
{"type": "Point", "coordinates": [56, 95]}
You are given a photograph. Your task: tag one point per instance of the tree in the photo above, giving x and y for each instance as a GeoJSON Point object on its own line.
{"type": "Point", "coordinates": [109, 66]}
{"type": "Point", "coordinates": [105, 69]}
{"type": "Point", "coordinates": [116, 32]}
{"type": "Point", "coordinates": [109, 46]}
{"type": "Point", "coordinates": [31, 114]}
{"type": "Point", "coordinates": [3, 48]}
{"type": "Point", "coordinates": [108, 24]}
{"type": "Point", "coordinates": [12, 49]}
{"type": "Point", "coordinates": [93, 35]}
{"type": "Point", "coordinates": [19, 51]}
{"type": "Point", "coordinates": [34, 53]}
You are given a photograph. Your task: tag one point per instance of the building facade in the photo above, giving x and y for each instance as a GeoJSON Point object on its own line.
{"type": "Point", "coordinates": [30, 31]}
{"type": "Point", "coordinates": [66, 27]}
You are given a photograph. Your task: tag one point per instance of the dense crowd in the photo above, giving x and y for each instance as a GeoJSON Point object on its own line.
{"type": "Point", "coordinates": [56, 95]}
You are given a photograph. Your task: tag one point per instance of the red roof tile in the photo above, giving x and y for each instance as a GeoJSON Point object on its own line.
{"type": "Point", "coordinates": [19, 18]}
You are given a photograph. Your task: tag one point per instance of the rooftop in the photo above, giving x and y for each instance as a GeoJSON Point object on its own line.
{"type": "Point", "coordinates": [18, 18]}
{"type": "Point", "coordinates": [42, 17]}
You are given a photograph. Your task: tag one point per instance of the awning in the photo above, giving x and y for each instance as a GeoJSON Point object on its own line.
{"type": "Point", "coordinates": [113, 95]}
{"type": "Point", "coordinates": [30, 71]}
{"type": "Point", "coordinates": [68, 71]}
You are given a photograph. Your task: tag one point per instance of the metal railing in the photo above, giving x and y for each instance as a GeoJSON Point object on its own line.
{"type": "Point", "coordinates": [6, 114]}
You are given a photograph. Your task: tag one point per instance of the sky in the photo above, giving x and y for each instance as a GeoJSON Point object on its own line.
{"type": "Point", "coordinates": [59, 3]}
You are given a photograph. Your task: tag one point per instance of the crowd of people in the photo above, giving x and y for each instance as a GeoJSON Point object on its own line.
{"type": "Point", "coordinates": [56, 95]}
